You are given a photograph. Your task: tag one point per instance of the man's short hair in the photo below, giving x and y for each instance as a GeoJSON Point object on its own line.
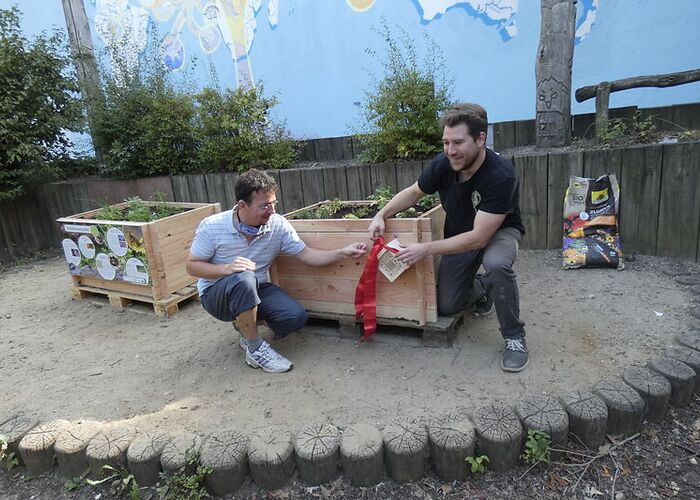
{"type": "Point", "coordinates": [252, 181]}
{"type": "Point", "coordinates": [470, 114]}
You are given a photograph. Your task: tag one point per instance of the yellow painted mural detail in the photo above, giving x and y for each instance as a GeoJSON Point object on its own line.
{"type": "Point", "coordinates": [360, 5]}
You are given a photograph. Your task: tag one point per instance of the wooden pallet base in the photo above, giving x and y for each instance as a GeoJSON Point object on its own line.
{"type": "Point", "coordinates": [119, 300]}
{"type": "Point", "coordinates": [440, 333]}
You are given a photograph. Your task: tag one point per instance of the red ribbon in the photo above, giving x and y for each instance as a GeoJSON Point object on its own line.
{"type": "Point", "coordinates": [366, 291]}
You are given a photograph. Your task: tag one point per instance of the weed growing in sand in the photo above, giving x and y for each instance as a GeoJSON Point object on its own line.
{"type": "Point", "coordinates": [122, 480]}
{"type": "Point", "coordinates": [183, 485]}
{"type": "Point", "coordinates": [477, 464]}
{"type": "Point", "coordinates": [9, 461]}
{"type": "Point", "coordinates": [537, 447]}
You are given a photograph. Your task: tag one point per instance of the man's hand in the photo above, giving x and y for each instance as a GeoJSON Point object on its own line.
{"type": "Point", "coordinates": [376, 227]}
{"type": "Point", "coordinates": [239, 264]}
{"type": "Point", "coordinates": [412, 253]}
{"type": "Point", "coordinates": [354, 250]}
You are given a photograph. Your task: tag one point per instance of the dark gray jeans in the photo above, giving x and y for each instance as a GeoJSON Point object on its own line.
{"type": "Point", "coordinates": [458, 286]}
{"type": "Point", "coordinates": [238, 292]}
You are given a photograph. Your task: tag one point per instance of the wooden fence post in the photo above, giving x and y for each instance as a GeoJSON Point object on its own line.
{"type": "Point", "coordinates": [602, 102]}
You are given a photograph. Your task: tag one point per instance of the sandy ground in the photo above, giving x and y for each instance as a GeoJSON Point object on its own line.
{"type": "Point", "coordinates": [64, 358]}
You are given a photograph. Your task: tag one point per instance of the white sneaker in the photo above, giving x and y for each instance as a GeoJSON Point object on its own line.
{"type": "Point", "coordinates": [268, 359]}
{"type": "Point", "coordinates": [242, 342]}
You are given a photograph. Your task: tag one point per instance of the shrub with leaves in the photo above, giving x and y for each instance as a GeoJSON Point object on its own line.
{"type": "Point", "coordinates": [145, 126]}
{"type": "Point", "coordinates": [400, 113]}
{"type": "Point", "coordinates": [38, 102]}
{"type": "Point", "coordinates": [625, 132]}
{"type": "Point", "coordinates": [235, 131]}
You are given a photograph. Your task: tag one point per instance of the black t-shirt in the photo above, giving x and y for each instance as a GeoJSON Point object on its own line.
{"type": "Point", "coordinates": [493, 189]}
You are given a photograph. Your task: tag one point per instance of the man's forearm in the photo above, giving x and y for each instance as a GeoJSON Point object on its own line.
{"type": "Point", "coordinates": [320, 258]}
{"type": "Point", "coordinates": [404, 199]}
{"type": "Point", "coordinates": [207, 270]}
{"type": "Point", "coordinates": [457, 244]}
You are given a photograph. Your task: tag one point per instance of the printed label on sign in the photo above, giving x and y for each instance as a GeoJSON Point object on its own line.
{"type": "Point", "coordinates": [105, 267]}
{"type": "Point", "coordinates": [76, 228]}
{"type": "Point", "coordinates": [87, 247]}
{"type": "Point", "coordinates": [136, 272]}
{"type": "Point", "coordinates": [117, 242]}
{"type": "Point", "coordinates": [389, 265]}
{"type": "Point", "coordinates": [70, 250]}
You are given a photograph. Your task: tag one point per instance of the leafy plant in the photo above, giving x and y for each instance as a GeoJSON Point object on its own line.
{"type": "Point", "coordinates": [185, 486]}
{"type": "Point", "coordinates": [477, 464]}
{"type": "Point", "coordinates": [39, 101]}
{"type": "Point", "coordinates": [429, 201]}
{"type": "Point", "coordinates": [622, 132]}
{"type": "Point", "coordinates": [381, 196]}
{"type": "Point", "coordinates": [537, 447]}
{"type": "Point", "coordinates": [144, 126]}
{"type": "Point", "coordinates": [139, 211]}
{"type": "Point", "coordinates": [400, 112]}
{"type": "Point", "coordinates": [121, 479]}
{"type": "Point", "coordinates": [8, 460]}
{"type": "Point", "coordinates": [234, 131]}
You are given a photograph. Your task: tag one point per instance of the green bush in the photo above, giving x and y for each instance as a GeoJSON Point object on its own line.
{"type": "Point", "coordinates": [144, 127]}
{"type": "Point", "coordinates": [235, 131]}
{"type": "Point", "coordinates": [625, 132]}
{"type": "Point", "coordinates": [400, 113]}
{"type": "Point", "coordinates": [147, 126]}
{"type": "Point", "coordinates": [38, 102]}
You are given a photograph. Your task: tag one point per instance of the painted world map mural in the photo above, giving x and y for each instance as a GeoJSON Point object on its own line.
{"type": "Point", "coordinates": [315, 56]}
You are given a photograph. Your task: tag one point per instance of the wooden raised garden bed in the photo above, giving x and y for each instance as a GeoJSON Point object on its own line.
{"type": "Point", "coordinates": [330, 290]}
{"type": "Point", "coordinates": [128, 260]}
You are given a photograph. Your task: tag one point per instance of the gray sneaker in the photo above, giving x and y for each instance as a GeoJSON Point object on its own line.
{"type": "Point", "coordinates": [268, 359]}
{"type": "Point", "coordinates": [515, 356]}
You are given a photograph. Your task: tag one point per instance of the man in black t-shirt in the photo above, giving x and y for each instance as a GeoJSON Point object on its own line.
{"type": "Point", "coordinates": [479, 192]}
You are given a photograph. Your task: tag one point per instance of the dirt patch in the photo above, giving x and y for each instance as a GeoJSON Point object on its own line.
{"type": "Point", "coordinates": [73, 359]}
{"type": "Point", "coordinates": [65, 358]}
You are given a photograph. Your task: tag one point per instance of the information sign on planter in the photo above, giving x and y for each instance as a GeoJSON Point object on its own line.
{"type": "Point", "coordinates": [143, 258]}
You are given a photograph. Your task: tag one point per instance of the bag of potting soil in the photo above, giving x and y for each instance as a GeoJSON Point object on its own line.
{"type": "Point", "coordinates": [591, 233]}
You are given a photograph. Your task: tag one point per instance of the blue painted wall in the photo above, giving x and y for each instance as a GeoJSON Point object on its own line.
{"type": "Point", "coordinates": [313, 58]}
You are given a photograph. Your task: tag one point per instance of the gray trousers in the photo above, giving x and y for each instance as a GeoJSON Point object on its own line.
{"type": "Point", "coordinates": [459, 287]}
{"type": "Point", "coordinates": [238, 292]}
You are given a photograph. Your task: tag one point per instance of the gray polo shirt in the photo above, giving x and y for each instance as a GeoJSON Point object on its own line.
{"type": "Point", "coordinates": [218, 241]}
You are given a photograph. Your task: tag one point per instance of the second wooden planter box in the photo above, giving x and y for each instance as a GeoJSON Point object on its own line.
{"type": "Point", "coordinates": [133, 260]}
{"type": "Point", "coordinates": [331, 289]}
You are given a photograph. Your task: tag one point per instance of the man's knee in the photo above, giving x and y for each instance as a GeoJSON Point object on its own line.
{"type": "Point", "coordinates": [498, 270]}
{"type": "Point", "coordinates": [241, 292]}
{"type": "Point", "coordinates": [290, 321]}
{"type": "Point", "coordinates": [298, 319]}
{"type": "Point", "coordinates": [449, 305]}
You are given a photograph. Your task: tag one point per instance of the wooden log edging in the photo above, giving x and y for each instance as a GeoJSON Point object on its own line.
{"type": "Point", "coordinates": [615, 406]}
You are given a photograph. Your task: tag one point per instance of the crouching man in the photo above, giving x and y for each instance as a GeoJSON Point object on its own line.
{"type": "Point", "coordinates": [231, 255]}
{"type": "Point", "coordinates": [479, 192]}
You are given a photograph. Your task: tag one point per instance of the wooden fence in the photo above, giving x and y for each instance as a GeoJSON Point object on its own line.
{"type": "Point", "coordinates": [659, 213]}
{"type": "Point", "coordinates": [676, 118]}
{"type": "Point", "coordinates": [511, 134]}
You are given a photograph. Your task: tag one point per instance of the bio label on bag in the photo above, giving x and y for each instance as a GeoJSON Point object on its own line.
{"type": "Point", "coordinates": [591, 231]}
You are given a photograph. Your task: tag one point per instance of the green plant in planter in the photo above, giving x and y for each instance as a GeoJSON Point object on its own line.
{"type": "Point", "coordinates": [138, 211]}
